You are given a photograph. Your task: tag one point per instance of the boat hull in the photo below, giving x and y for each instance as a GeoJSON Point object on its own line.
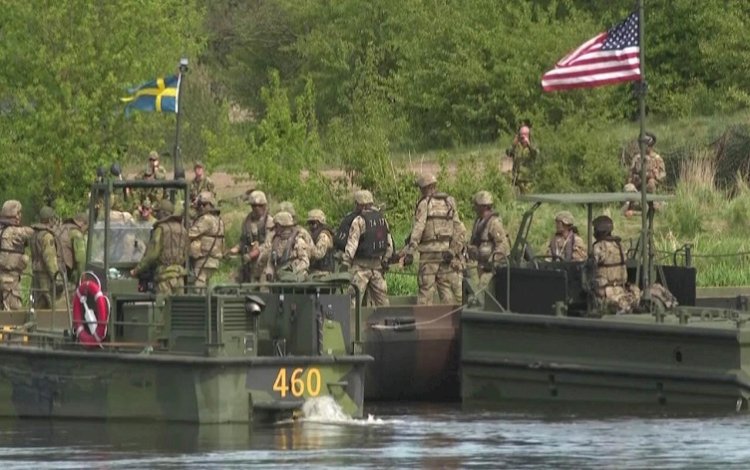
{"type": "Point", "coordinates": [510, 359]}
{"type": "Point", "coordinates": [44, 383]}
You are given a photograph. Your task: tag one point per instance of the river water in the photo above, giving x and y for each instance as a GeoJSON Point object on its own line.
{"type": "Point", "coordinates": [394, 436]}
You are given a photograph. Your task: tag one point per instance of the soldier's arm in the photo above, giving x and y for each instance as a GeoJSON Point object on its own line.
{"type": "Point", "coordinates": [352, 242]}
{"type": "Point", "coordinates": [199, 228]}
{"type": "Point", "coordinates": [660, 172]}
{"type": "Point", "coordinates": [153, 251]}
{"type": "Point", "coordinates": [390, 248]}
{"type": "Point", "coordinates": [210, 186]}
{"type": "Point", "coordinates": [459, 231]}
{"type": "Point", "coordinates": [579, 249]}
{"type": "Point", "coordinates": [49, 253]}
{"type": "Point", "coordinates": [420, 220]}
{"type": "Point", "coordinates": [319, 250]}
{"type": "Point", "coordinates": [301, 262]}
{"type": "Point", "coordinates": [496, 233]}
{"type": "Point", "coordinates": [79, 252]}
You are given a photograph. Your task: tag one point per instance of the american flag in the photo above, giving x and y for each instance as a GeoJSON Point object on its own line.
{"type": "Point", "coordinates": [608, 58]}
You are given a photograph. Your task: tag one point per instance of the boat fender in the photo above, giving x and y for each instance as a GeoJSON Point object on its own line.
{"type": "Point", "coordinates": [90, 325]}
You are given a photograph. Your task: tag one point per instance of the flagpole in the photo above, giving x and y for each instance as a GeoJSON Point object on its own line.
{"type": "Point", "coordinates": [645, 238]}
{"type": "Point", "coordinates": [178, 105]}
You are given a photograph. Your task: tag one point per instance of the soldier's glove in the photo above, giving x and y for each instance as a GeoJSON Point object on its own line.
{"type": "Point", "coordinates": [408, 260]}
{"type": "Point", "coordinates": [344, 268]}
{"type": "Point", "coordinates": [269, 277]}
{"type": "Point", "coordinates": [447, 257]}
{"type": "Point", "coordinates": [473, 252]}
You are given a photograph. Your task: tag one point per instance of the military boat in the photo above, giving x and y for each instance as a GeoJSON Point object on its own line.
{"type": "Point", "coordinates": [539, 339]}
{"type": "Point", "coordinates": [229, 353]}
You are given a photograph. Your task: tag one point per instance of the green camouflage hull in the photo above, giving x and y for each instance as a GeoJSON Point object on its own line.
{"type": "Point", "coordinates": [513, 359]}
{"type": "Point", "coordinates": [36, 382]}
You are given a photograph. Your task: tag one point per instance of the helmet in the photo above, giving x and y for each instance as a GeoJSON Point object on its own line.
{"type": "Point", "coordinates": [207, 197]}
{"type": "Point", "coordinates": [258, 198]}
{"type": "Point", "coordinates": [363, 196]}
{"type": "Point", "coordinates": [287, 206]}
{"type": "Point", "coordinates": [630, 188]}
{"type": "Point", "coordinates": [146, 204]}
{"type": "Point", "coordinates": [650, 139]}
{"type": "Point", "coordinates": [81, 218]}
{"type": "Point", "coordinates": [199, 163]}
{"type": "Point", "coordinates": [603, 224]}
{"type": "Point", "coordinates": [46, 214]}
{"type": "Point", "coordinates": [166, 208]}
{"type": "Point", "coordinates": [565, 217]}
{"type": "Point", "coordinates": [11, 208]}
{"type": "Point", "coordinates": [483, 198]}
{"type": "Point", "coordinates": [316, 215]}
{"type": "Point", "coordinates": [115, 169]}
{"type": "Point", "coordinates": [153, 155]}
{"type": "Point", "coordinates": [426, 179]}
{"type": "Point", "coordinates": [284, 219]}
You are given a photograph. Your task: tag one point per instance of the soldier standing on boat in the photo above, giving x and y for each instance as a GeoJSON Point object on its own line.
{"type": "Point", "coordinates": [656, 173]}
{"type": "Point", "coordinates": [368, 246]}
{"type": "Point", "coordinates": [257, 227]}
{"type": "Point", "coordinates": [436, 236]}
{"type": "Point", "coordinates": [524, 152]}
{"type": "Point", "coordinates": [44, 259]}
{"type": "Point", "coordinates": [72, 238]}
{"type": "Point", "coordinates": [200, 183]}
{"type": "Point", "coordinates": [166, 252]}
{"type": "Point", "coordinates": [458, 265]}
{"type": "Point", "coordinates": [566, 244]}
{"type": "Point", "coordinates": [206, 239]}
{"type": "Point", "coordinates": [288, 259]}
{"type": "Point", "coordinates": [288, 206]}
{"type": "Point", "coordinates": [489, 245]}
{"type": "Point", "coordinates": [321, 251]}
{"type": "Point", "coordinates": [13, 261]}
{"type": "Point", "coordinates": [611, 275]}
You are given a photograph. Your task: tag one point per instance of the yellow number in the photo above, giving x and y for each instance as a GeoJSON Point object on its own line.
{"type": "Point", "coordinates": [314, 391]}
{"type": "Point", "coordinates": [279, 385]}
{"type": "Point", "coordinates": [298, 385]}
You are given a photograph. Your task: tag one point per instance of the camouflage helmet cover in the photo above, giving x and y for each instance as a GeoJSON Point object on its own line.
{"type": "Point", "coordinates": [146, 204]}
{"type": "Point", "coordinates": [11, 208]}
{"type": "Point", "coordinates": [153, 155]}
{"type": "Point", "coordinates": [287, 206]}
{"type": "Point", "coordinates": [165, 208]}
{"type": "Point", "coordinates": [284, 219]}
{"type": "Point", "coordinates": [426, 179]}
{"type": "Point", "coordinates": [565, 217]}
{"type": "Point", "coordinates": [483, 198]}
{"type": "Point", "coordinates": [363, 196]}
{"type": "Point", "coordinates": [316, 215]}
{"type": "Point", "coordinates": [258, 198]}
{"type": "Point", "coordinates": [46, 214]}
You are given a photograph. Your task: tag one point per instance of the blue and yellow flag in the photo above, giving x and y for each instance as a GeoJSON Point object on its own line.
{"type": "Point", "coordinates": [160, 95]}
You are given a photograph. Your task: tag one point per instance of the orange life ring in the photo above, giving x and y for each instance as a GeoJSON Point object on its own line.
{"type": "Point", "coordinates": [90, 325]}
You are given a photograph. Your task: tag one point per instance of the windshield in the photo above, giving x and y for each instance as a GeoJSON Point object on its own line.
{"type": "Point", "coordinates": [126, 242]}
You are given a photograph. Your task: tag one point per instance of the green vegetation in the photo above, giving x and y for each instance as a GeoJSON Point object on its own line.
{"type": "Point", "coordinates": [279, 90]}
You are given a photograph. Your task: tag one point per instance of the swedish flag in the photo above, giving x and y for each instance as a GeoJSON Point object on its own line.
{"type": "Point", "coordinates": [160, 95]}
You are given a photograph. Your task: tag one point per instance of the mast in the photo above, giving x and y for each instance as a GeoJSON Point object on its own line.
{"type": "Point", "coordinates": [645, 236]}
{"type": "Point", "coordinates": [176, 153]}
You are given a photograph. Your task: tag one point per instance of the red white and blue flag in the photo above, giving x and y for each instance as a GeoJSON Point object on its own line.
{"type": "Point", "coordinates": [608, 58]}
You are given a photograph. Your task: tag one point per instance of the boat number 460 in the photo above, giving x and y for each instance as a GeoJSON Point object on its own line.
{"type": "Point", "coordinates": [299, 383]}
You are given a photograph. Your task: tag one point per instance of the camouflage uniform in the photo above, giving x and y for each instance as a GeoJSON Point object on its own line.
{"type": "Point", "coordinates": [289, 207]}
{"type": "Point", "coordinates": [570, 247]}
{"type": "Point", "coordinates": [611, 276]}
{"type": "Point", "coordinates": [458, 265]}
{"type": "Point", "coordinates": [13, 260]}
{"type": "Point", "coordinates": [198, 186]}
{"type": "Point", "coordinates": [72, 238]}
{"type": "Point", "coordinates": [489, 245]}
{"type": "Point", "coordinates": [321, 251]}
{"type": "Point", "coordinates": [288, 260]}
{"type": "Point", "coordinates": [206, 240]}
{"type": "Point", "coordinates": [257, 233]}
{"type": "Point", "coordinates": [655, 171]}
{"type": "Point", "coordinates": [166, 252]}
{"type": "Point", "coordinates": [140, 218]}
{"type": "Point", "coordinates": [435, 235]}
{"type": "Point", "coordinates": [524, 158]}
{"type": "Point", "coordinates": [44, 259]}
{"type": "Point", "coordinates": [366, 251]}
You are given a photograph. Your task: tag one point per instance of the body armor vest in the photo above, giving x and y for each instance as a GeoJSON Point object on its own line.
{"type": "Point", "coordinates": [612, 270]}
{"type": "Point", "coordinates": [342, 234]}
{"type": "Point", "coordinates": [37, 246]}
{"type": "Point", "coordinates": [326, 262]}
{"type": "Point", "coordinates": [62, 232]}
{"type": "Point", "coordinates": [253, 231]}
{"type": "Point", "coordinates": [439, 223]}
{"type": "Point", "coordinates": [12, 256]}
{"type": "Point", "coordinates": [212, 244]}
{"type": "Point", "coordinates": [174, 239]}
{"type": "Point", "coordinates": [374, 241]}
{"type": "Point", "coordinates": [281, 248]}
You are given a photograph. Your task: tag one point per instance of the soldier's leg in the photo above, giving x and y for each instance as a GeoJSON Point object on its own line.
{"type": "Point", "coordinates": [360, 280]}
{"type": "Point", "coordinates": [426, 281]}
{"type": "Point", "coordinates": [11, 292]}
{"type": "Point", "coordinates": [377, 290]}
{"type": "Point", "coordinates": [41, 286]}
{"type": "Point", "coordinates": [444, 281]}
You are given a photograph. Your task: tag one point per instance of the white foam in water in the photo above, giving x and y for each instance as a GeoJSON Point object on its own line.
{"type": "Point", "coordinates": [325, 410]}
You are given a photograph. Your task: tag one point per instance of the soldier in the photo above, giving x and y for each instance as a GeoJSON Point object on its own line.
{"type": "Point", "coordinates": [166, 252]}
{"type": "Point", "coordinates": [287, 206]}
{"type": "Point", "coordinates": [368, 246]}
{"type": "Point", "coordinates": [288, 260]}
{"type": "Point", "coordinates": [206, 240]}
{"type": "Point", "coordinates": [154, 168]}
{"type": "Point", "coordinates": [321, 251]}
{"type": "Point", "coordinates": [72, 238]}
{"type": "Point", "coordinates": [436, 235]}
{"type": "Point", "coordinates": [655, 173]}
{"type": "Point", "coordinates": [149, 194]}
{"type": "Point", "coordinates": [489, 245]}
{"type": "Point", "coordinates": [524, 154]}
{"type": "Point", "coordinates": [44, 259]}
{"type": "Point", "coordinates": [257, 227]}
{"type": "Point", "coordinates": [145, 213]}
{"type": "Point", "coordinates": [13, 261]}
{"type": "Point", "coordinates": [458, 266]}
{"type": "Point", "coordinates": [566, 244]}
{"type": "Point", "coordinates": [611, 275]}
{"type": "Point", "coordinates": [200, 183]}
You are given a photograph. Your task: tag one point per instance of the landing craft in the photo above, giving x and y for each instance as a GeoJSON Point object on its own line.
{"type": "Point", "coordinates": [229, 353]}
{"type": "Point", "coordinates": [539, 339]}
